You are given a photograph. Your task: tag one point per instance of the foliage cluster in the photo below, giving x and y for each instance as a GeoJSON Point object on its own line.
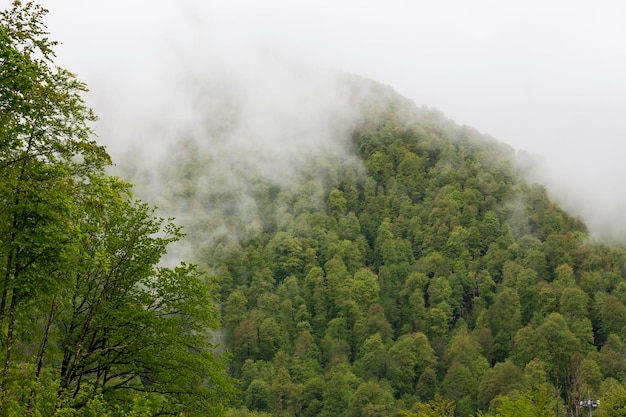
{"type": "Point", "coordinates": [90, 323]}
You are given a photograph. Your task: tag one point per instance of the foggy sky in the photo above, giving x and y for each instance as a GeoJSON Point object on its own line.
{"type": "Point", "coordinates": [548, 78]}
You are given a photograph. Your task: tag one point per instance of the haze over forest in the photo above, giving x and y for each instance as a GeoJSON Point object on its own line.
{"type": "Point", "coordinates": [544, 78]}
{"type": "Point", "coordinates": [340, 249]}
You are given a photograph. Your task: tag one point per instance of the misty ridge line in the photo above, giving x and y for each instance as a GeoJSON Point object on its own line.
{"type": "Point", "coordinates": [145, 82]}
{"type": "Point", "coordinates": [264, 113]}
{"type": "Point", "coordinates": [270, 129]}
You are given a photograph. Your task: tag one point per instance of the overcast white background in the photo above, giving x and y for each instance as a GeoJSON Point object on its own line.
{"type": "Point", "coordinates": [547, 77]}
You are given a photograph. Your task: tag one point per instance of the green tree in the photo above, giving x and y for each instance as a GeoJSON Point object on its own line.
{"type": "Point", "coordinates": [612, 315]}
{"type": "Point", "coordinates": [500, 380]}
{"type": "Point", "coordinates": [613, 401]}
{"type": "Point", "coordinates": [235, 311]}
{"type": "Point", "coordinates": [362, 291]}
{"type": "Point", "coordinates": [350, 187]}
{"type": "Point", "coordinates": [311, 397]}
{"type": "Point", "coordinates": [134, 326]}
{"type": "Point", "coordinates": [411, 173]}
{"type": "Point", "coordinates": [340, 385]}
{"type": "Point", "coordinates": [317, 297]}
{"type": "Point", "coordinates": [525, 405]}
{"type": "Point", "coordinates": [47, 157]}
{"type": "Point", "coordinates": [258, 395]}
{"type": "Point", "coordinates": [427, 384]}
{"type": "Point", "coordinates": [335, 343]}
{"type": "Point", "coordinates": [271, 338]}
{"type": "Point", "coordinates": [491, 228]}
{"type": "Point", "coordinates": [373, 360]}
{"type": "Point", "coordinates": [375, 322]}
{"type": "Point", "coordinates": [284, 394]}
{"type": "Point", "coordinates": [337, 203]}
{"type": "Point", "coordinates": [410, 356]}
{"type": "Point", "coordinates": [465, 369]}
{"type": "Point", "coordinates": [437, 407]}
{"type": "Point", "coordinates": [246, 341]}
{"type": "Point", "coordinates": [287, 255]}
{"type": "Point", "coordinates": [306, 358]}
{"type": "Point", "coordinates": [370, 400]}
{"type": "Point", "coordinates": [556, 344]}
{"type": "Point", "coordinates": [611, 358]}
{"type": "Point", "coordinates": [461, 386]}
{"type": "Point", "coordinates": [504, 319]}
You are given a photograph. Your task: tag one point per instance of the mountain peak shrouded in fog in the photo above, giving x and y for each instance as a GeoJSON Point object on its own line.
{"type": "Point", "coordinates": [409, 265]}
{"type": "Point", "coordinates": [545, 78]}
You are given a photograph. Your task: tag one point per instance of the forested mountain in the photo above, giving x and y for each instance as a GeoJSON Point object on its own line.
{"type": "Point", "coordinates": [414, 269]}
{"type": "Point", "coordinates": [400, 265]}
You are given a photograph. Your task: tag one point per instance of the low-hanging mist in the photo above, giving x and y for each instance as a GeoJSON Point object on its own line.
{"type": "Point", "coordinates": [482, 65]}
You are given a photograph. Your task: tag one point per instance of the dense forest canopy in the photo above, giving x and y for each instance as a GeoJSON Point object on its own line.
{"type": "Point", "coordinates": [405, 268]}
{"type": "Point", "coordinates": [416, 270]}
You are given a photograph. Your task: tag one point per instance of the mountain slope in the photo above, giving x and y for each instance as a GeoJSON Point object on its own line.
{"type": "Point", "coordinates": [411, 261]}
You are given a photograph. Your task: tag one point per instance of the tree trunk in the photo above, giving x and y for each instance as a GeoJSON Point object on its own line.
{"type": "Point", "coordinates": [7, 361]}
{"type": "Point", "coordinates": [5, 287]}
{"type": "Point", "coordinates": [41, 355]}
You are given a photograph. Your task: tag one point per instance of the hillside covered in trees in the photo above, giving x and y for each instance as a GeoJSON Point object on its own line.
{"type": "Point", "coordinates": [405, 268]}
{"type": "Point", "coordinates": [417, 270]}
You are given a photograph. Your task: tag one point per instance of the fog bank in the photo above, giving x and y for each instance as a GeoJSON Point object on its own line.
{"type": "Point", "coordinates": [546, 78]}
